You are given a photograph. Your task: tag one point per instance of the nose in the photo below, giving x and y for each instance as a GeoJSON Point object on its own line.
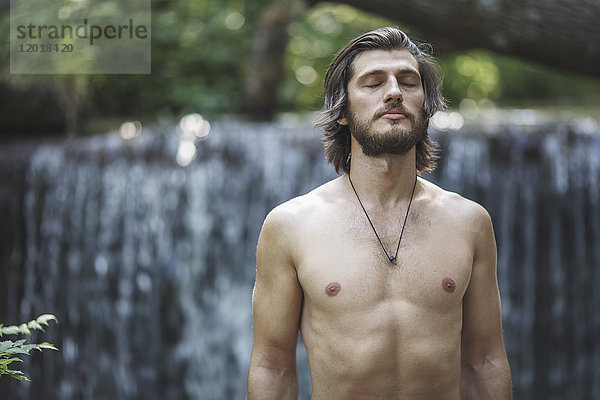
{"type": "Point", "coordinates": [393, 92]}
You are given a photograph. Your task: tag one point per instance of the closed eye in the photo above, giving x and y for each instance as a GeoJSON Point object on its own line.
{"type": "Point", "coordinates": [373, 86]}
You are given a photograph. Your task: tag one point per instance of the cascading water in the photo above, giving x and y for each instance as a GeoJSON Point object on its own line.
{"type": "Point", "coordinates": [149, 266]}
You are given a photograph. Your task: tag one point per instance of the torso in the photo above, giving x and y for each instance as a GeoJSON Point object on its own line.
{"type": "Point", "coordinates": [372, 329]}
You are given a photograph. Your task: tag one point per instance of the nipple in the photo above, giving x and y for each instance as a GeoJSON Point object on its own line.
{"type": "Point", "coordinates": [333, 289]}
{"type": "Point", "coordinates": [448, 285]}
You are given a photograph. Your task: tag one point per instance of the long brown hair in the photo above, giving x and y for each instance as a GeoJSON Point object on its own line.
{"type": "Point", "coordinates": [336, 137]}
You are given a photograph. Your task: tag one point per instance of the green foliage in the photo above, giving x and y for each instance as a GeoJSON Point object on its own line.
{"type": "Point", "coordinates": [200, 55]}
{"type": "Point", "coordinates": [314, 40]}
{"type": "Point", "coordinates": [476, 75]}
{"type": "Point", "coordinates": [201, 52]}
{"type": "Point", "coordinates": [472, 75]}
{"type": "Point", "coordinates": [479, 75]}
{"type": "Point", "coordinates": [11, 351]}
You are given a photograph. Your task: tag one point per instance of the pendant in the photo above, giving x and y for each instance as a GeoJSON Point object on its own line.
{"type": "Point", "coordinates": [393, 260]}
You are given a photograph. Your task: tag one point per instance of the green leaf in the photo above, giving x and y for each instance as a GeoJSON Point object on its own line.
{"type": "Point", "coordinates": [17, 350]}
{"type": "Point", "coordinates": [8, 348]}
{"type": "Point", "coordinates": [17, 375]}
{"type": "Point", "coordinates": [35, 325]}
{"type": "Point", "coordinates": [25, 330]}
{"type": "Point", "coordinates": [47, 345]}
{"type": "Point", "coordinates": [11, 330]}
{"type": "Point", "coordinates": [7, 361]}
{"type": "Point", "coordinates": [28, 347]}
{"type": "Point", "coordinates": [43, 319]}
{"type": "Point", "coordinates": [5, 345]}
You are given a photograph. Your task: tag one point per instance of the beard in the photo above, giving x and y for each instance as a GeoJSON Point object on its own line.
{"type": "Point", "coordinates": [396, 140]}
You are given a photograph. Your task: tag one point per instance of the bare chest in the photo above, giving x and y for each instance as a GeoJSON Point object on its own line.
{"type": "Point", "coordinates": [342, 267]}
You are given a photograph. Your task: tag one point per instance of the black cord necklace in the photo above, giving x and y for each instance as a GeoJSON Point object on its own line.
{"type": "Point", "coordinates": [393, 259]}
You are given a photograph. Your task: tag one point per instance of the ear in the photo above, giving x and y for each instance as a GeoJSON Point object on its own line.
{"type": "Point", "coordinates": [342, 121]}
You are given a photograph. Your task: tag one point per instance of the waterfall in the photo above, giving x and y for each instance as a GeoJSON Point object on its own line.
{"type": "Point", "coordinates": [149, 266]}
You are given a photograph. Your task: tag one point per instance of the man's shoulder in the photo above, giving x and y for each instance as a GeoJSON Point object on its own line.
{"type": "Point", "coordinates": [314, 201]}
{"type": "Point", "coordinates": [457, 206]}
{"type": "Point", "coordinates": [301, 208]}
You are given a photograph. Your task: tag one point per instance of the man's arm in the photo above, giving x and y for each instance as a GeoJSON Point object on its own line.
{"type": "Point", "coordinates": [485, 373]}
{"type": "Point", "coordinates": [276, 305]}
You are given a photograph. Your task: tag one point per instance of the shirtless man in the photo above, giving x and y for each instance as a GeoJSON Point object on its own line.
{"type": "Point", "coordinates": [421, 322]}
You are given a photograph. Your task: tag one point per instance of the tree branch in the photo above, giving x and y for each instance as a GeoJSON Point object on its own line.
{"type": "Point", "coordinates": [558, 33]}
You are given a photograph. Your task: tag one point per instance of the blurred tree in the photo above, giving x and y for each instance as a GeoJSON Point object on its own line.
{"type": "Point", "coordinates": [266, 66]}
{"type": "Point", "coordinates": [314, 39]}
{"type": "Point", "coordinates": [477, 75]}
{"type": "Point", "coordinates": [199, 59]}
{"type": "Point", "coordinates": [265, 56]}
{"type": "Point", "coordinates": [480, 75]}
{"type": "Point", "coordinates": [559, 33]}
{"type": "Point", "coordinates": [525, 29]}
{"type": "Point", "coordinates": [38, 103]}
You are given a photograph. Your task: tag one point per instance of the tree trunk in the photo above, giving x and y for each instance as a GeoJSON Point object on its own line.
{"type": "Point", "coordinates": [564, 34]}
{"type": "Point", "coordinates": [266, 66]}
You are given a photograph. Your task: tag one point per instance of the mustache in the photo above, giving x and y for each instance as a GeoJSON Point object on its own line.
{"type": "Point", "coordinates": [393, 106]}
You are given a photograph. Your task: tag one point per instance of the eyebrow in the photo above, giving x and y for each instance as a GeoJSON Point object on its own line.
{"type": "Point", "coordinates": [405, 71]}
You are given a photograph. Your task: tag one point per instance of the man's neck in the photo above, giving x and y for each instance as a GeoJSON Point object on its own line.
{"type": "Point", "coordinates": [383, 181]}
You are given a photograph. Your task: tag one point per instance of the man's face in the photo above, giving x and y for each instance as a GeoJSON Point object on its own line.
{"type": "Point", "coordinates": [385, 101]}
